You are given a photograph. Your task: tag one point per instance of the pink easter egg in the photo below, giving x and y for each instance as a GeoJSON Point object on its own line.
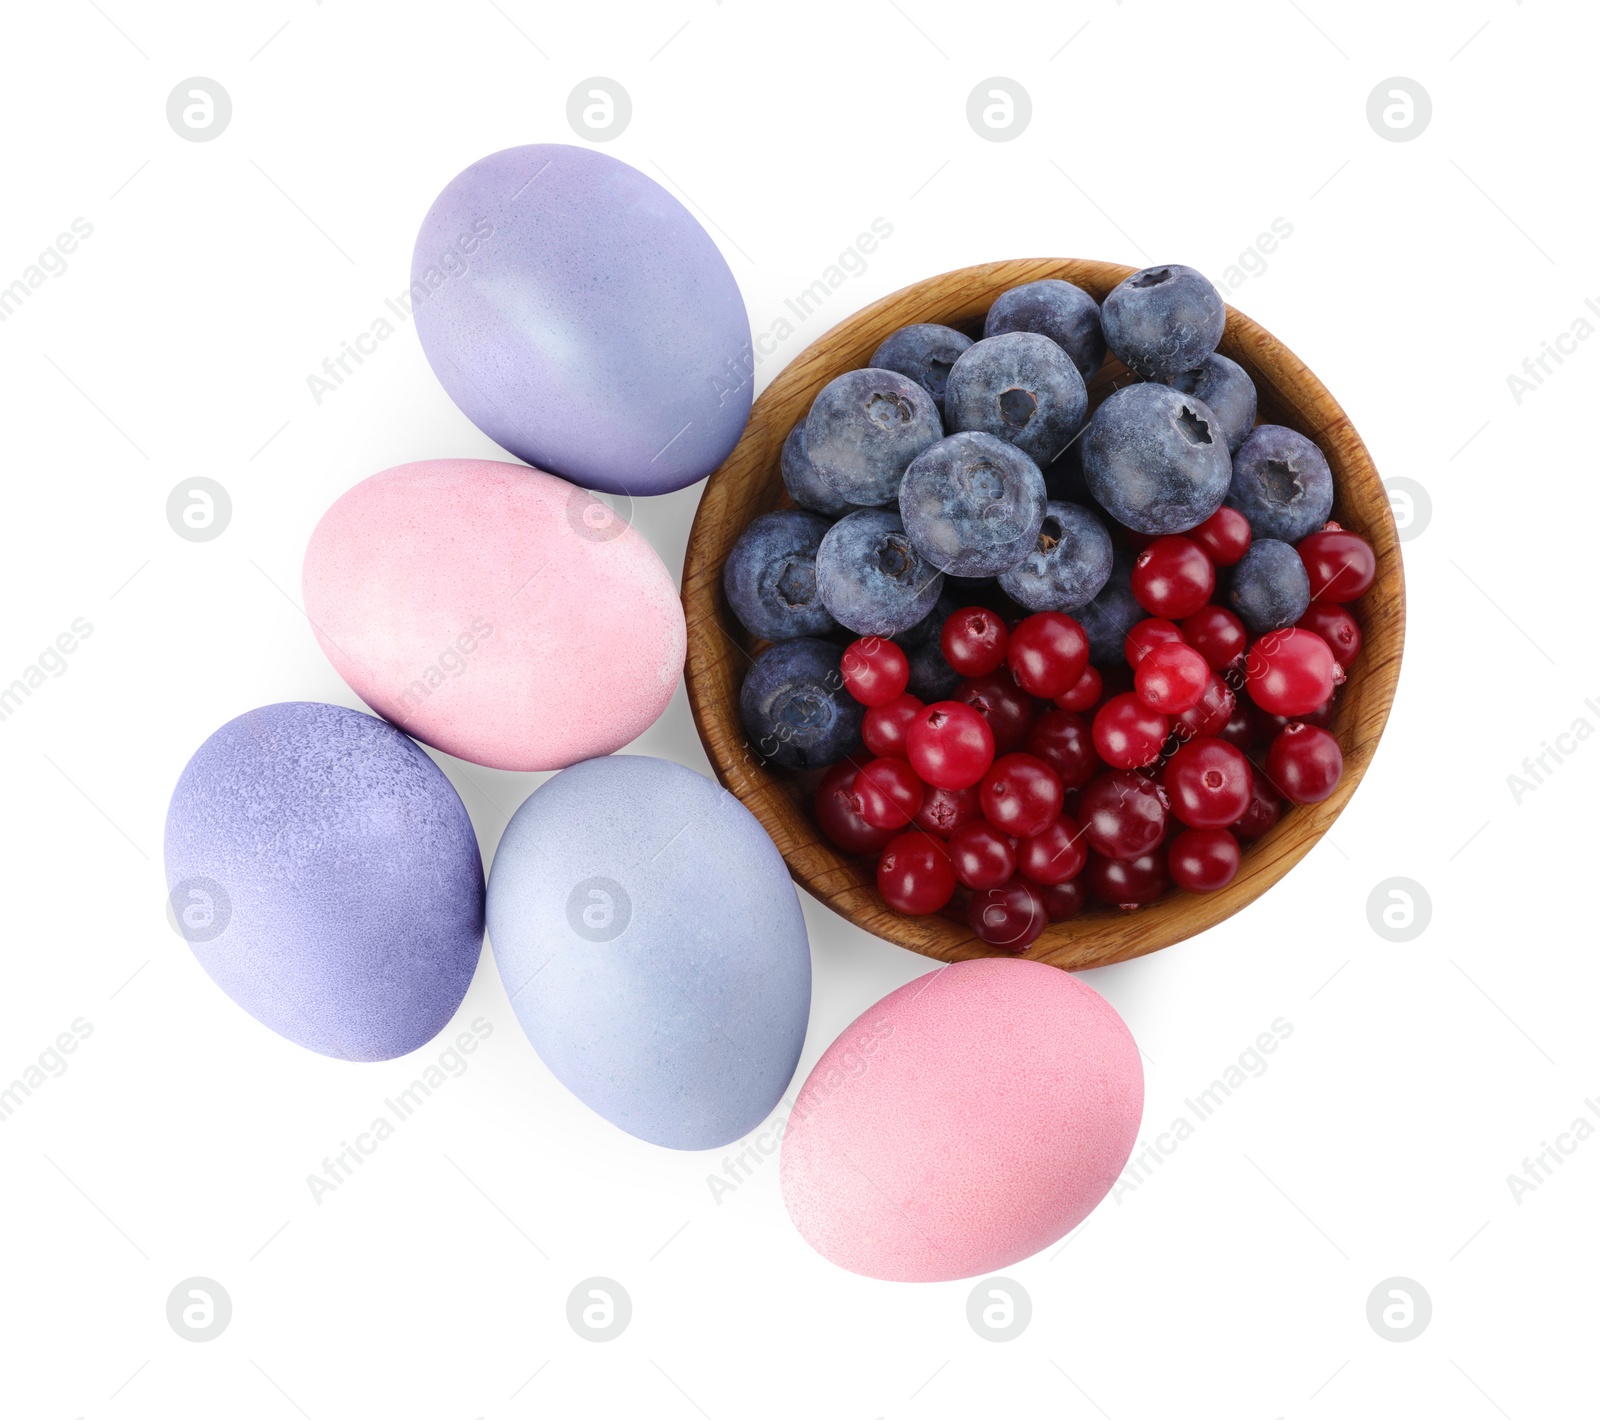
{"type": "Point", "coordinates": [495, 612]}
{"type": "Point", "coordinates": [966, 1121]}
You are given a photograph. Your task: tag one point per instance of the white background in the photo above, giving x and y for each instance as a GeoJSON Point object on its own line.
{"type": "Point", "coordinates": [177, 343]}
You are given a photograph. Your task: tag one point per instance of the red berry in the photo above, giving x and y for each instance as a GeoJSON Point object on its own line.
{"type": "Point", "coordinates": [974, 640]}
{"type": "Point", "coordinates": [1127, 882]}
{"type": "Point", "coordinates": [914, 874]}
{"type": "Point", "coordinates": [1269, 726]}
{"type": "Point", "coordinates": [875, 670]}
{"type": "Point", "coordinates": [840, 815]}
{"type": "Point", "coordinates": [1337, 627]}
{"type": "Point", "coordinates": [1291, 672]}
{"type": "Point", "coordinates": [1210, 714]}
{"type": "Point", "coordinates": [1054, 856]}
{"type": "Point", "coordinates": [1340, 564]}
{"type": "Point", "coordinates": [889, 793]}
{"type": "Point", "coordinates": [1085, 695]}
{"type": "Point", "coordinates": [1145, 636]}
{"type": "Point", "coordinates": [1047, 653]}
{"type": "Point", "coordinates": [1122, 814]}
{"type": "Point", "coordinates": [1203, 859]}
{"type": "Point", "coordinates": [1064, 900]}
{"type": "Point", "coordinates": [949, 744]}
{"type": "Point", "coordinates": [1217, 634]}
{"type": "Point", "coordinates": [1128, 733]}
{"type": "Point", "coordinates": [943, 811]}
{"type": "Point", "coordinates": [1008, 708]}
{"type": "Point", "coordinates": [1011, 916]}
{"type": "Point", "coordinates": [1021, 794]}
{"type": "Point", "coordinates": [982, 856]}
{"type": "Point", "coordinates": [883, 727]}
{"type": "Point", "coordinates": [1064, 742]}
{"type": "Point", "coordinates": [1173, 578]}
{"type": "Point", "coordinates": [1264, 811]}
{"type": "Point", "coordinates": [1224, 537]}
{"type": "Point", "coordinates": [1304, 763]}
{"type": "Point", "coordinates": [1240, 731]}
{"type": "Point", "coordinates": [1207, 783]}
{"type": "Point", "coordinates": [1171, 678]}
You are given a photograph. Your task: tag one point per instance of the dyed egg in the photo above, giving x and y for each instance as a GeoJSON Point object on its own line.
{"type": "Point", "coordinates": [583, 319]}
{"type": "Point", "coordinates": [326, 876]}
{"type": "Point", "coordinates": [967, 1120]}
{"type": "Point", "coordinates": [495, 612]}
{"type": "Point", "coordinates": [652, 946]}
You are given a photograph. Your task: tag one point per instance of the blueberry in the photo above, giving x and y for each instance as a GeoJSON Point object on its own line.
{"type": "Point", "coordinates": [932, 677]}
{"type": "Point", "coordinates": [972, 504]}
{"type": "Point", "coordinates": [864, 428]}
{"type": "Point", "coordinates": [1064, 312]}
{"type": "Point", "coordinates": [1281, 483]}
{"type": "Point", "coordinates": [870, 576]}
{"type": "Point", "coordinates": [1111, 615]}
{"type": "Point", "coordinates": [1163, 320]}
{"type": "Point", "coordinates": [1022, 388]}
{"type": "Point", "coordinates": [1069, 564]}
{"type": "Point", "coordinates": [801, 478]}
{"type": "Point", "coordinates": [1155, 459]}
{"type": "Point", "coordinates": [1224, 388]}
{"type": "Point", "coordinates": [923, 353]}
{"type": "Point", "coordinates": [1269, 587]}
{"type": "Point", "coordinates": [795, 709]}
{"type": "Point", "coordinates": [770, 577]}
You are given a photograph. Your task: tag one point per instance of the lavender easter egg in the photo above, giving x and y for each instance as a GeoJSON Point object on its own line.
{"type": "Point", "coordinates": [652, 946]}
{"type": "Point", "coordinates": [582, 318]}
{"type": "Point", "coordinates": [326, 876]}
{"type": "Point", "coordinates": [495, 612]}
{"type": "Point", "coordinates": [967, 1120]}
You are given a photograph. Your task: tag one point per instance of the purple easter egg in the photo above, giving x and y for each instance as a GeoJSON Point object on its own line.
{"type": "Point", "coordinates": [581, 317]}
{"type": "Point", "coordinates": [326, 876]}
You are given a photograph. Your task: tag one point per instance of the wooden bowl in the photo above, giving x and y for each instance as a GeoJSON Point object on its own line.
{"type": "Point", "coordinates": [720, 650]}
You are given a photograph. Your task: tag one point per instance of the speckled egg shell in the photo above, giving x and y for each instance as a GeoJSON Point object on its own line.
{"type": "Point", "coordinates": [327, 878]}
{"type": "Point", "coordinates": [967, 1120]}
{"type": "Point", "coordinates": [652, 946]}
{"type": "Point", "coordinates": [495, 612]}
{"type": "Point", "coordinates": [581, 317]}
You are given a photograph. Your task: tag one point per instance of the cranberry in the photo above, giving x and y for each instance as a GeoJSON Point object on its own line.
{"type": "Point", "coordinates": [1203, 859]}
{"type": "Point", "coordinates": [1008, 708]}
{"type": "Point", "coordinates": [1053, 856]}
{"type": "Point", "coordinates": [974, 640]}
{"type": "Point", "coordinates": [949, 744]}
{"type": "Point", "coordinates": [1337, 627]}
{"type": "Point", "coordinates": [1217, 634]}
{"type": "Point", "coordinates": [1173, 577]}
{"type": "Point", "coordinates": [1269, 726]}
{"type": "Point", "coordinates": [1291, 672]}
{"type": "Point", "coordinates": [1047, 653]}
{"type": "Point", "coordinates": [1123, 814]}
{"type": "Point", "coordinates": [1011, 916]}
{"type": "Point", "coordinates": [943, 811]}
{"type": "Point", "coordinates": [1207, 783]}
{"type": "Point", "coordinates": [875, 670]}
{"type": "Point", "coordinates": [1021, 794]}
{"type": "Point", "coordinates": [1127, 733]}
{"type": "Point", "coordinates": [1224, 537]}
{"type": "Point", "coordinates": [888, 792]}
{"type": "Point", "coordinates": [1264, 811]}
{"type": "Point", "coordinates": [1304, 763]}
{"type": "Point", "coordinates": [1127, 882]}
{"type": "Point", "coordinates": [982, 856]}
{"type": "Point", "coordinates": [1210, 714]}
{"type": "Point", "coordinates": [914, 874]}
{"type": "Point", "coordinates": [1085, 695]}
{"type": "Point", "coordinates": [1063, 741]}
{"type": "Point", "coordinates": [883, 727]}
{"type": "Point", "coordinates": [1340, 564]}
{"type": "Point", "coordinates": [1145, 636]}
{"type": "Point", "coordinates": [1171, 678]}
{"type": "Point", "coordinates": [1064, 900]}
{"type": "Point", "coordinates": [840, 815]}
{"type": "Point", "coordinates": [1240, 731]}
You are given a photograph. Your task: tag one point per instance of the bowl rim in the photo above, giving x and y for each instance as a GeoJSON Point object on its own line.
{"type": "Point", "coordinates": [748, 483]}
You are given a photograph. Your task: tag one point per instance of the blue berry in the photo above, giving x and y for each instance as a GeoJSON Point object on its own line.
{"type": "Point", "coordinates": [1281, 483]}
{"type": "Point", "coordinates": [932, 677]}
{"type": "Point", "coordinates": [864, 428]}
{"type": "Point", "coordinates": [972, 504]}
{"type": "Point", "coordinates": [1156, 460]}
{"type": "Point", "coordinates": [1223, 387]}
{"type": "Point", "coordinates": [1163, 320]}
{"type": "Point", "coordinates": [1269, 587]}
{"type": "Point", "coordinates": [801, 478]}
{"type": "Point", "coordinates": [1069, 564]}
{"type": "Point", "coordinates": [923, 353]}
{"type": "Point", "coordinates": [770, 577]}
{"type": "Point", "coordinates": [795, 709]}
{"type": "Point", "coordinates": [1022, 388]}
{"type": "Point", "coordinates": [871, 577]}
{"type": "Point", "coordinates": [1111, 615]}
{"type": "Point", "coordinates": [1064, 312]}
